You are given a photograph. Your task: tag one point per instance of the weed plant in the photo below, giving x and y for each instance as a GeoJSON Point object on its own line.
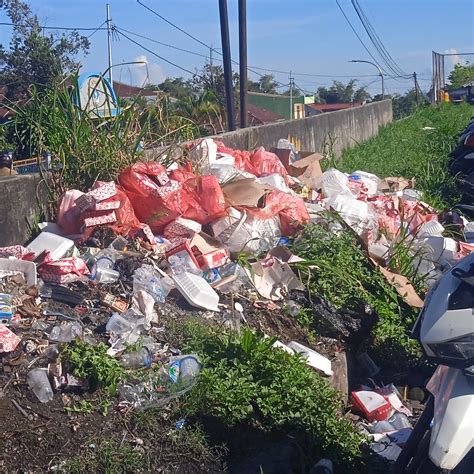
{"type": "Point", "coordinates": [337, 270]}
{"type": "Point", "coordinates": [246, 382]}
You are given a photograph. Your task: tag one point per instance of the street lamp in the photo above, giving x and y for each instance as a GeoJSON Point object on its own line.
{"type": "Point", "coordinates": [375, 65]}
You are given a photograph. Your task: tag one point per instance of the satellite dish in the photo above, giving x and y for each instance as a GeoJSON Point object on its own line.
{"type": "Point", "coordinates": [96, 96]}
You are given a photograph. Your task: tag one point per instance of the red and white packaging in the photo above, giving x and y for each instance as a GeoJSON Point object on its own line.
{"type": "Point", "coordinates": [64, 270]}
{"type": "Point", "coordinates": [371, 405]}
{"type": "Point", "coordinates": [107, 205]}
{"type": "Point", "coordinates": [213, 259]}
{"type": "Point", "coordinates": [182, 256]}
{"type": "Point", "coordinates": [8, 340]}
{"type": "Point", "coordinates": [17, 251]}
{"type": "Point", "coordinates": [182, 228]}
{"type": "Point", "coordinates": [84, 203]}
{"type": "Point", "coordinates": [93, 218]}
{"type": "Point", "coordinates": [103, 191]}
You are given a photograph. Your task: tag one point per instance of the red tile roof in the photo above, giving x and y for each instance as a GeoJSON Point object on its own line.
{"type": "Point", "coordinates": [333, 107]}
{"type": "Point", "coordinates": [126, 90]}
{"type": "Point", "coordinates": [260, 116]}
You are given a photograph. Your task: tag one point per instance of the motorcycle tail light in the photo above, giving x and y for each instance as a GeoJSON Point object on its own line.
{"type": "Point", "coordinates": [461, 349]}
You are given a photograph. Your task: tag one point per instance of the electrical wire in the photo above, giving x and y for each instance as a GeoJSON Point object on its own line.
{"type": "Point", "coordinates": [173, 25]}
{"type": "Point", "coordinates": [357, 35]}
{"type": "Point", "coordinates": [159, 57]}
{"type": "Point", "coordinates": [58, 27]}
{"type": "Point", "coordinates": [97, 29]}
{"type": "Point", "coordinates": [377, 42]}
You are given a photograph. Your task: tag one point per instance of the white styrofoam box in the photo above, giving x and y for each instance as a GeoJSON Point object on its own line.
{"type": "Point", "coordinates": [23, 266]}
{"type": "Point", "coordinates": [197, 291]}
{"type": "Point", "coordinates": [58, 246]}
{"type": "Point", "coordinates": [313, 358]}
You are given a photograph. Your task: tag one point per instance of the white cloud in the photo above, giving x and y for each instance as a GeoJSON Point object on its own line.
{"type": "Point", "coordinates": [147, 72]}
{"type": "Point", "coordinates": [455, 59]}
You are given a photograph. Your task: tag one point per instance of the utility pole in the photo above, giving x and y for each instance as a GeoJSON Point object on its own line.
{"type": "Point", "coordinates": [416, 89]}
{"type": "Point", "coordinates": [291, 97]}
{"type": "Point", "coordinates": [243, 63]}
{"type": "Point", "coordinates": [229, 93]}
{"type": "Point", "coordinates": [109, 42]}
{"type": "Point", "coordinates": [210, 67]}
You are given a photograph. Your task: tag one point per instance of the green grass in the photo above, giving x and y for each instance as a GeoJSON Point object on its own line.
{"type": "Point", "coordinates": [403, 148]}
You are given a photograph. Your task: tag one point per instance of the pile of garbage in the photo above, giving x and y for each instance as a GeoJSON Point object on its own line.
{"type": "Point", "coordinates": [118, 251]}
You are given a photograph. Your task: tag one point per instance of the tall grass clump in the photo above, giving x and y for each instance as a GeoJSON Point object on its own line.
{"type": "Point", "coordinates": [89, 147]}
{"type": "Point", "coordinates": [417, 147]}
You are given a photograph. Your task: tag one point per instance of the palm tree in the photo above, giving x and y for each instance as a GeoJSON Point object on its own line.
{"type": "Point", "coordinates": [203, 110]}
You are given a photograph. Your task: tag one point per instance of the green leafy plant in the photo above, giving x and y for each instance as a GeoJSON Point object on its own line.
{"type": "Point", "coordinates": [338, 271]}
{"type": "Point", "coordinates": [245, 381]}
{"type": "Point", "coordinates": [84, 406]}
{"type": "Point", "coordinates": [92, 362]}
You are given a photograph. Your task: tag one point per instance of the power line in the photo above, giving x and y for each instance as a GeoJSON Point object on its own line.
{"type": "Point", "coordinates": [357, 34]}
{"type": "Point", "coordinates": [97, 29]}
{"type": "Point", "coordinates": [58, 27]}
{"type": "Point", "coordinates": [377, 42]}
{"type": "Point", "coordinates": [160, 43]}
{"type": "Point", "coordinates": [173, 25]}
{"type": "Point", "coordinates": [158, 56]}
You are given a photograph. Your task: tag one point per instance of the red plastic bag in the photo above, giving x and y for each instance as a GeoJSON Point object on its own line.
{"type": "Point", "coordinates": [291, 209]}
{"type": "Point", "coordinates": [266, 163]}
{"type": "Point", "coordinates": [206, 199]}
{"type": "Point", "coordinates": [158, 199]}
{"type": "Point", "coordinates": [126, 219]}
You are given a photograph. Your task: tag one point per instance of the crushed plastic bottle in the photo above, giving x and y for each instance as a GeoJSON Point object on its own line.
{"type": "Point", "coordinates": [39, 383]}
{"type": "Point", "coordinates": [137, 359]}
{"type": "Point", "coordinates": [66, 332]}
{"type": "Point", "coordinates": [146, 278]}
{"type": "Point", "coordinates": [174, 380]}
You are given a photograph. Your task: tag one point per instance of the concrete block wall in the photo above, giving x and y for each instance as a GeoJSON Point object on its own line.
{"type": "Point", "coordinates": [18, 206]}
{"type": "Point", "coordinates": [345, 128]}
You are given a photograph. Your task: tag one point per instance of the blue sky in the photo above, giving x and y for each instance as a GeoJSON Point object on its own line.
{"type": "Point", "coordinates": [305, 36]}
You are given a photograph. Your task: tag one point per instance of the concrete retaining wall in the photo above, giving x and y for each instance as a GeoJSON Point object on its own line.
{"type": "Point", "coordinates": [18, 205]}
{"type": "Point", "coordinates": [345, 128]}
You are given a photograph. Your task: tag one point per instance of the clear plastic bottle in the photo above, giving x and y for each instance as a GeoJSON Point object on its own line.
{"type": "Point", "coordinates": [66, 332]}
{"type": "Point", "coordinates": [137, 359]}
{"type": "Point", "coordinates": [38, 382]}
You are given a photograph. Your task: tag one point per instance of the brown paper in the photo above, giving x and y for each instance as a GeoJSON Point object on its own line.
{"type": "Point", "coordinates": [245, 192]}
{"type": "Point", "coordinates": [394, 184]}
{"type": "Point", "coordinates": [403, 286]}
{"type": "Point", "coordinates": [306, 169]}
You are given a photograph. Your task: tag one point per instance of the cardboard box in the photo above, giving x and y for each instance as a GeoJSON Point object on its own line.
{"type": "Point", "coordinates": [307, 168]}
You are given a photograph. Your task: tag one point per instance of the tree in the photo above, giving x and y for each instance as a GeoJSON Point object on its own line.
{"type": "Point", "coordinates": [404, 105]}
{"type": "Point", "coordinates": [34, 57]}
{"type": "Point", "coordinates": [176, 87]}
{"type": "Point", "coordinates": [204, 111]}
{"type": "Point", "coordinates": [342, 93]}
{"type": "Point", "coordinates": [267, 84]}
{"type": "Point", "coordinates": [211, 78]}
{"type": "Point", "coordinates": [461, 75]}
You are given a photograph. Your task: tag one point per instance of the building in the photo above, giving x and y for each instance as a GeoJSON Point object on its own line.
{"type": "Point", "coordinates": [260, 116]}
{"type": "Point", "coordinates": [280, 104]}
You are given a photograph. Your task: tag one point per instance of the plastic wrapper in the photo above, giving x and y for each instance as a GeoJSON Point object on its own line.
{"type": "Point", "coordinates": [174, 380]}
{"type": "Point", "coordinates": [146, 278]}
{"type": "Point", "coordinates": [290, 209]}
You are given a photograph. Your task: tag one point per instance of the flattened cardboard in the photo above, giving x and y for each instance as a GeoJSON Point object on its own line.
{"type": "Point", "coordinates": [245, 192]}
{"type": "Point", "coordinates": [394, 183]}
{"type": "Point", "coordinates": [403, 286]}
{"type": "Point", "coordinates": [307, 168]}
